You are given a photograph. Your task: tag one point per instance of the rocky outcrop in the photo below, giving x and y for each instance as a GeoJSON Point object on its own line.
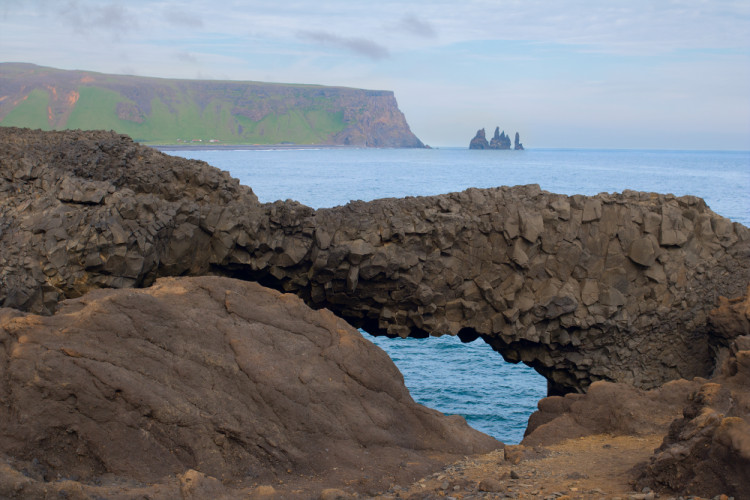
{"type": "Point", "coordinates": [479, 141]}
{"type": "Point", "coordinates": [706, 423]}
{"type": "Point", "coordinates": [499, 141]}
{"type": "Point", "coordinates": [607, 408]}
{"type": "Point", "coordinates": [211, 380]}
{"type": "Point", "coordinates": [707, 451]}
{"type": "Point", "coordinates": [613, 287]}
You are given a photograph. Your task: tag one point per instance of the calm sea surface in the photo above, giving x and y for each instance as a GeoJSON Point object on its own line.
{"type": "Point", "coordinates": [442, 373]}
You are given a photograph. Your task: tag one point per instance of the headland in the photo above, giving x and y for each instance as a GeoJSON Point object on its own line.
{"type": "Point", "coordinates": [201, 112]}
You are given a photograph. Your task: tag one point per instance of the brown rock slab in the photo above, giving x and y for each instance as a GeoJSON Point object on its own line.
{"type": "Point", "coordinates": [611, 408]}
{"type": "Point", "coordinates": [218, 382]}
{"type": "Point", "coordinates": [642, 251]}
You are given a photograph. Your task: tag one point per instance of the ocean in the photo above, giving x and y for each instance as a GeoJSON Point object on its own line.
{"type": "Point", "coordinates": [471, 379]}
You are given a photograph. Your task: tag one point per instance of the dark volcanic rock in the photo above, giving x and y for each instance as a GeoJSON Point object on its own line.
{"type": "Point", "coordinates": [216, 379]}
{"type": "Point", "coordinates": [500, 141]}
{"type": "Point", "coordinates": [612, 287]}
{"type": "Point", "coordinates": [479, 141]}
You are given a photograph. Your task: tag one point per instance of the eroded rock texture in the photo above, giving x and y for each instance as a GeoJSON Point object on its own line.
{"type": "Point", "coordinates": [227, 378]}
{"type": "Point", "coordinates": [612, 287]}
{"type": "Point", "coordinates": [611, 408]}
{"type": "Point", "coordinates": [706, 422]}
{"type": "Point", "coordinates": [707, 451]}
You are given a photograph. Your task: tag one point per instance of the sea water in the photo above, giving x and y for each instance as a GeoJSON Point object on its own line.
{"type": "Point", "coordinates": [470, 379]}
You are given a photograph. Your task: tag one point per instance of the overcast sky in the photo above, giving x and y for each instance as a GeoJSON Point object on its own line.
{"type": "Point", "coordinates": [610, 74]}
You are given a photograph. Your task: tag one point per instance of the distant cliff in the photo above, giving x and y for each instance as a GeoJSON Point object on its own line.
{"type": "Point", "coordinates": [499, 141]}
{"type": "Point", "coordinates": [164, 111]}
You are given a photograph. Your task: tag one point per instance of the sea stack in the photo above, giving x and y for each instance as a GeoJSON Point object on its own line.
{"type": "Point", "coordinates": [479, 141]}
{"type": "Point", "coordinates": [499, 141]}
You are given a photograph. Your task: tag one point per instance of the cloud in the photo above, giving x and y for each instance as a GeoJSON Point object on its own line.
{"type": "Point", "coordinates": [412, 24]}
{"type": "Point", "coordinates": [114, 16]}
{"type": "Point", "coordinates": [186, 57]}
{"type": "Point", "coordinates": [85, 17]}
{"type": "Point", "coordinates": [180, 18]}
{"type": "Point", "coordinates": [360, 46]}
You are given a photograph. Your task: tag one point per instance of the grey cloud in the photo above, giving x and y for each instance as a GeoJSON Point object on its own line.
{"type": "Point", "coordinates": [86, 17]}
{"type": "Point", "coordinates": [180, 18]}
{"type": "Point", "coordinates": [113, 16]}
{"type": "Point", "coordinates": [186, 57]}
{"type": "Point", "coordinates": [361, 46]}
{"type": "Point", "coordinates": [416, 26]}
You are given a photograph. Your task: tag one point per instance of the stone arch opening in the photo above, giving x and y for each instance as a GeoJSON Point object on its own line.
{"type": "Point", "coordinates": [615, 287]}
{"type": "Point", "coordinates": [466, 378]}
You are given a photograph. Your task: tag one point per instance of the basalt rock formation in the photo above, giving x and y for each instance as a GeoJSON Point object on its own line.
{"type": "Point", "coordinates": [706, 423]}
{"type": "Point", "coordinates": [207, 380]}
{"type": "Point", "coordinates": [612, 287]}
{"type": "Point", "coordinates": [499, 141]}
{"type": "Point", "coordinates": [707, 450]}
{"type": "Point", "coordinates": [479, 141]}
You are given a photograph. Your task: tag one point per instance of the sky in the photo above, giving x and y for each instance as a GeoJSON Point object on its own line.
{"type": "Point", "coordinates": [655, 74]}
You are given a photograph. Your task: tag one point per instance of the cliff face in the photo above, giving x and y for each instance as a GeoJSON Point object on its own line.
{"type": "Point", "coordinates": [162, 111]}
{"type": "Point", "coordinates": [610, 287]}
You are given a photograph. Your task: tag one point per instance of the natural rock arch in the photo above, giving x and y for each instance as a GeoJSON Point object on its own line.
{"type": "Point", "coordinates": [614, 287]}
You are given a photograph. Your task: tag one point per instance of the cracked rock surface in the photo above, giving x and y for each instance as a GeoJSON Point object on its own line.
{"type": "Point", "coordinates": [226, 382]}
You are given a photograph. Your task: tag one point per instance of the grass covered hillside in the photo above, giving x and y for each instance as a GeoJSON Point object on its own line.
{"type": "Point", "coordinates": [165, 111]}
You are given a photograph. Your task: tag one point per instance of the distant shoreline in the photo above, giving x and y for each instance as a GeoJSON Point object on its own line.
{"type": "Point", "coordinates": [244, 147]}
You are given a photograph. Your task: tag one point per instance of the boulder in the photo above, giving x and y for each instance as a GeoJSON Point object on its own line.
{"type": "Point", "coordinates": [607, 408]}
